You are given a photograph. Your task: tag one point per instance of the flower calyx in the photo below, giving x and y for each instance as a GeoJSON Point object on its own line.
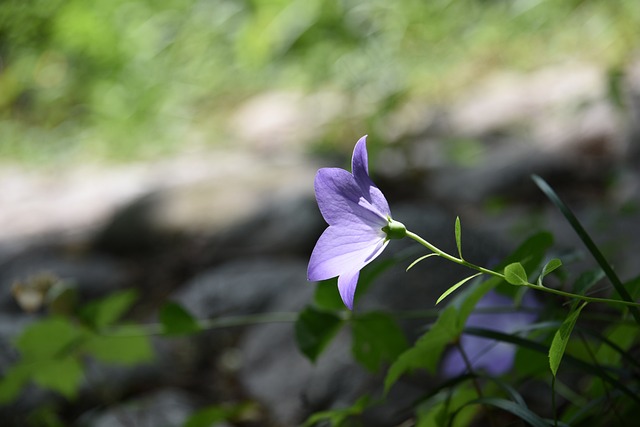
{"type": "Point", "coordinates": [394, 229]}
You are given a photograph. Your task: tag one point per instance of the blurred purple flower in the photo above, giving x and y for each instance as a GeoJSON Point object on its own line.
{"type": "Point", "coordinates": [495, 358]}
{"type": "Point", "coordinates": [360, 224]}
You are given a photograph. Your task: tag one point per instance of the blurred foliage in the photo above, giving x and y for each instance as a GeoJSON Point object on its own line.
{"type": "Point", "coordinates": [120, 78]}
{"type": "Point", "coordinates": [53, 348]}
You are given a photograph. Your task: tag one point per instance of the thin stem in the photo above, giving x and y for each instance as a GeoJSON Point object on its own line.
{"type": "Point", "coordinates": [476, 383]}
{"type": "Point", "coordinates": [553, 401]}
{"type": "Point", "coordinates": [469, 367]}
{"type": "Point", "coordinates": [464, 263]}
{"type": "Point", "coordinates": [208, 324]}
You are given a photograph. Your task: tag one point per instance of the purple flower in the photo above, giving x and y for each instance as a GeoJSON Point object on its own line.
{"type": "Point", "coordinates": [360, 224]}
{"type": "Point", "coordinates": [496, 358]}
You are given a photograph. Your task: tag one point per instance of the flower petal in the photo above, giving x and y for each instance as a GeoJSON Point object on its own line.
{"type": "Point", "coordinates": [341, 200]}
{"type": "Point", "coordinates": [488, 355]}
{"type": "Point", "coordinates": [347, 283]}
{"type": "Point", "coordinates": [360, 169]}
{"type": "Point", "coordinates": [342, 249]}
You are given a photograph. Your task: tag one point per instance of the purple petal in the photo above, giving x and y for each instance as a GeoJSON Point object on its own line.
{"type": "Point", "coordinates": [342, 249]}
{"type": "Point", "coordinates": [341, 200]}
{"type": "Point", "coordinates": [494, 357]}
{"type": "Point", "coordinates": [347, 287]}
{"type": "Point", "coordinates": [360, 169]}
{"type": "Point", "coordinates": [360, 159]}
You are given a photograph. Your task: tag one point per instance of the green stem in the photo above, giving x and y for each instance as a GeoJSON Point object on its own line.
{"type": "Point", "coordinates": [467, 264]}
{"type": "Point", "coordinates": [208, 324]}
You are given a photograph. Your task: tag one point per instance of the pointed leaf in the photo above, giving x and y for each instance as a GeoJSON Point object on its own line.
{"type": "Point", "coordinates": [13, 379]}
{"type": "Point", "coordinates": [589, 243]}
{"type": "Point", "coordinates": [561, 338]}
{"type": "Point", "coordinates": [124, 346]}
{"type": "Point", "coordinates": [377, 339]}
{"type": "Point", "coordinates": [108, 310]}
{"type": "Point", "coordinates": [552, 265]}
{"type": "Point", "coordinates": [515, 274]}
{"type": "Point", "coordinates": [437, 410]}
{"type": "Point", "coordinates": [532, 251]}
{"type": "Point", "coordinates": [61, 375]}
{"type": "Point", "coordinates": [587, 280]}
{"type": "Point", "coordinates": [426, 352]}
{"type": "Point", "coordinates": [520, 411]}
{"type": "Point", "coordinates": [176, 320]}
{"type": "Point", "coordinates": [215, 414]}
{"type": "Point", "coordinates": [327, 296]}
{"type": "Point", "coordinates": [422, 258]}
{"type": "Point", "coordinates": [336, 417]}
{"type": "Point", "coordinates": [458, 233]}
{"type": "Point", "coordinates": [456, 286]}
{"type": "Point", "coordinates": [48, 338]}
{"type": "Point", "coordinates": [314, 330]}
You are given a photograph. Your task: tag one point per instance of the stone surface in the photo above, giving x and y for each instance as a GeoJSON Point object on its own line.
{"type": "Point", "coordinates": [163, 408]}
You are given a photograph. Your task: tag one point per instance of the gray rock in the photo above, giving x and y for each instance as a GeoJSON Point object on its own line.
{"type": "Point", "coordinates": [163, 408]}
{"type": "Point", "coordinates": [244, 286]}
{"type": "Point", "coordinates": [242, 187]}
{"type": "Point", "coordinates": [285, 227]}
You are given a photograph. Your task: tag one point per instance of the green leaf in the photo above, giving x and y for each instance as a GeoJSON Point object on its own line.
{"type": "Point", "coordinates": [589, 243]}
{"type": "Point", "coordinates": [176, 320]}
{"type": "Point", "coordinates": [108, 310]}
{"type": "Point", "coordinates": [550, 266]}
{"type": "Point", "coordinates": [213, 415]}
{"type": "Point", "coordinates": [377, 338]}
{"type": "Point", "coordinates": [126, 346]}
{"type": "Point", "coordinates": [61, 375]}
{"type": "Point", "coordinates": [425, 354]}
{"type": "Point", "coordinates": [314, 330]}
{"type": "Point", "coordinates": [456, 286]}
{"type": "Point", "coordinates": [370, 273]}
{"type": "Point", "coordinates": [336, 417]}
{"type": "Point", "coordinates": [520, 411]}
{"type": "Point", "coordinates": [561, 338]}
{"type": "Point", "coordinates": [633, 286]}
{"type": "Point", "coordinates": [458, 233]}
{"type": "Point", "coordinates": [48, 338]}
{"type": "Point", "coordinates": [437, 410]}
{"type": "Point", "coordinates": [587, 280]}
{"type": "Point", "coordinates": [13, 379]}
{"type": "Point", "coordinates": [422, 258]}
{"type": "Point", "coordinates": [623, 336]}
{"type": "Point", "coordinates": [327, 295]}
{"type": "Point", "coordinates": [515, 274]}
{"type": "Point", "coordinates": [531, 252]}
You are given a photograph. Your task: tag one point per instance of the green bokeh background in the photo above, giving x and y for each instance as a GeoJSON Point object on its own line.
{"type": "Point", "coordinates": [116, 80]}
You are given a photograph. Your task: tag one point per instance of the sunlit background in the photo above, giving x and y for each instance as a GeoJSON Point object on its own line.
{"type": "Point", "coordinates": [122, 80]}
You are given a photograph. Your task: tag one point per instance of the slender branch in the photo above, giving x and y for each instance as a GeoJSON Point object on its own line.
{"type": "Point", "coordinates": [464, 263]}
{"type": "Point", "coordinates": [207, 324]}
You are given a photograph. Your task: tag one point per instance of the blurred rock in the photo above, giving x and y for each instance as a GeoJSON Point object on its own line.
{"type": "Point", "coordinates": [241, 187]}
{"type": "Point", "coordinates": [166, 408]}
{"type": "Point", "coordinates": [277, 122]}
{"type": "Point", "coordinates": [245, 286]}
{"type": "Point", "coordinates": [286, 226]}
